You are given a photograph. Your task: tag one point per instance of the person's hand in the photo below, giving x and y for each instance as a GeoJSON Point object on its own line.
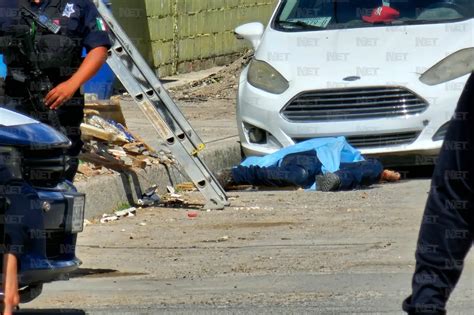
{"type": "Point", "coordinates": [61, 94]}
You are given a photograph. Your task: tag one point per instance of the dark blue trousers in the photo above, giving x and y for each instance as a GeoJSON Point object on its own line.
{"type": "Point", "coordinates": [300, 169]}
{"type": "Point", "coordinates": [359, 174]}
{"type": "Point", "coordinates": [447, 228]}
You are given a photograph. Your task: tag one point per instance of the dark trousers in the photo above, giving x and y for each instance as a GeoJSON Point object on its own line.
{"type": "Point", "coordinates": [447, 228]}
{"type": "Point", "coordinates": [70, 117]}
{"type": "Point", "coordinates": [359, 174]}
{"type": "Point", "coordinates": [300, 169]}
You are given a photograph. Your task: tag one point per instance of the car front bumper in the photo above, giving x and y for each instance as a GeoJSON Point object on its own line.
{"type": "Point", "coordinates": [42, 270]}
{"type": "Point", "coordinates": [41, 228]}
{"type": "Point", "coordinates": [262, 110]}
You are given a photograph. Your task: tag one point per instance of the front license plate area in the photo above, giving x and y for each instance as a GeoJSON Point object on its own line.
{"type": "Point", "coordinates": [75, 220]}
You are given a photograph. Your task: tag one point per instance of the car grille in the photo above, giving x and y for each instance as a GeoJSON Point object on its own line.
{"type": "Point", "coordinates": [376, 141]}
{"type": "Point", "coordinates": [44, 168]}
{"type": "Point", "coordinates": [354, 104]}
{"type": "Point", "coordinates": [386, 140]}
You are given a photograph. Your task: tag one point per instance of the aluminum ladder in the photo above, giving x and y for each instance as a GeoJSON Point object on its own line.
{"type": "Point", "coordinates": [161, 111]}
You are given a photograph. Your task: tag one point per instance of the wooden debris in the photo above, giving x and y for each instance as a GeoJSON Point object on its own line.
{"type": "Point", "coordinates": [94, 132]}
{"type": "Point", "coordinates": [186, 187]}
{"type": "Point", "coordinates": [137, 163]}
{"type": "Point", "coordinates": [110, 145]}
{"type": "Point", "coordinates": [86, 170]}
{"type": "Point", "coordinates": [113, 164]}
{"type": "Point", "coordinates": [108, 109]}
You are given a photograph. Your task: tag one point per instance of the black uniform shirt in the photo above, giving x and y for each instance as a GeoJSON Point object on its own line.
{"type": "Point", "coordinates": [78, 19]}
{"type": "Point", "coordinates": [61, 54]}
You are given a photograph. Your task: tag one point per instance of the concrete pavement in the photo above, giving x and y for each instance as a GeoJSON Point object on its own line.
{"type": "Point", "coordinates": [272, 252]}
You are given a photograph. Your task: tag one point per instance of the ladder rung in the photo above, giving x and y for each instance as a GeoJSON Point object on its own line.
{"type": "Point", "coordinates": [162, 112]}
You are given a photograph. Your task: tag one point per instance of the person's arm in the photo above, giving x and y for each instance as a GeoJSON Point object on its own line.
{"type": "Point", "coordinates": [66, 90]}
{"type": "Point", "coordinates": [11, 298]}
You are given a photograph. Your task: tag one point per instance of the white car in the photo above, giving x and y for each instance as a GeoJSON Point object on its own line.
{"type": "Point", "coordinates": [352, 68]}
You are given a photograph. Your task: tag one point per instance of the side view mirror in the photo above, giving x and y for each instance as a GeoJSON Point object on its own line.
{"type": "Point", "coordinates": [252, 32]}
{"type": "Point", "coordinates": [452, 67]}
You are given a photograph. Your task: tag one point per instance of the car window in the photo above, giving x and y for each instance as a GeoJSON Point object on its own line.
{"type": "Point", "coordinates": [298, 15]}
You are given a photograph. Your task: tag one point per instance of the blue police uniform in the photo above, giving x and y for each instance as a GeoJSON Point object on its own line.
{"type": "Point", "coordinates": [447, 229]}
{"type": "Point", "coordinates": [59, 56]}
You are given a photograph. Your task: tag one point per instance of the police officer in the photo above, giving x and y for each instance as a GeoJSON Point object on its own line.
{"type": "Point", "coordinates": [59, 57]}
{"type": "Point", "coordinates": [447, 229]}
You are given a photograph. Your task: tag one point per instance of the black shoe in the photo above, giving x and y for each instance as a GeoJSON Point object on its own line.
{"type": "Point", "coordinates": [328, 182]}
{"type": "Point", "coordinates": [224, 177]}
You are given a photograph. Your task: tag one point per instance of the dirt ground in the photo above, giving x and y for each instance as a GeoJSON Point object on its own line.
{"type": "Point", "coordinates": [270, 252]}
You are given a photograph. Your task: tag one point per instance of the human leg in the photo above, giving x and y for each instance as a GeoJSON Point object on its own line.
{"type": "Point", "coordinates": [297, 169]}
{"type": "Point", "coordinates": [364, 173]}
{"type": "Point", "coordinates": [446, 232]}
{"type": "Point", "coordinates": [71, 116]}
{"type": "Point", "coordinates": [269, 176]}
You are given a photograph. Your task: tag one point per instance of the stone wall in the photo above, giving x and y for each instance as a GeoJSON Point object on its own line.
{"type": "Point", "coordinates": [178, 36]}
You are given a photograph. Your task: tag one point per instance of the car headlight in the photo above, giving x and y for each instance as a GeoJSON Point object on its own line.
{"type": "Point", "coordinates": [10, 163]}
{"type": "Point", "coordinates": [452, 67]}
{"type": "Point", "coordinates": [263, 76]}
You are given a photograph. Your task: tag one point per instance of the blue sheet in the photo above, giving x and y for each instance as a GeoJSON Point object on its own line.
{"type": "Point", "coordinates": [330, 151]}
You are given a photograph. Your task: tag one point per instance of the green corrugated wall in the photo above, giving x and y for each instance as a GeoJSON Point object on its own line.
{"type": "Point", "coordinates": [178, 36]}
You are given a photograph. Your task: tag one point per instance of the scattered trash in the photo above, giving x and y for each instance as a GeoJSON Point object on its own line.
{"type": "Point", "coordinates": [110, 147]}
{"type": "Point", "coordinates": [219, 240]}
{"type": "Point", "coordinates": [150, 197]}
{"type": "Point", "coordinates": [223, 239]}
{"type": "Point", "coordinates": [106, 218]}
{"type": "Point", "coordinates": [218, 85]}
{"type": "Point", "coordinates": [142, 224]}
{"type": "Point", "coordinates": [193, 214]}
{"type": "Point", "coordinates": [126, 213]}
{"type": "Point", "coordinates": [180, 201]}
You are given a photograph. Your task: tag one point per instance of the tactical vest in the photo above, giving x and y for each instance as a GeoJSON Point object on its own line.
{"type": "Point", "coordinates": [58, 54]}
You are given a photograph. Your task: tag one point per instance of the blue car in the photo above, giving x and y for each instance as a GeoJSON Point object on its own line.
{"type": "Point", "coordinates": [43, 212]}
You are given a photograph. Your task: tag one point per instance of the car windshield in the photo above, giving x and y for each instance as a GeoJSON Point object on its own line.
{"type": "Point", "coordinates": [303, 15]}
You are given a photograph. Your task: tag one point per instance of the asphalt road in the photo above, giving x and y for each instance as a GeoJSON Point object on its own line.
{"type": "Point", "coordinates": [271, 252]}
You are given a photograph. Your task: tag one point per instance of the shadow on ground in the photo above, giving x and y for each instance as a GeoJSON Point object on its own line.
{"type": "Point", "coordinates": [51, 311]}
{"type": "Point", "coordinates": [101, 273]}
{"type": "Point", "coordinates": [416, 172]}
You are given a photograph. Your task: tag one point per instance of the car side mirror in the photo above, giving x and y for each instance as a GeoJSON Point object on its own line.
{"type": "Point", "coordinates": [252, 32]}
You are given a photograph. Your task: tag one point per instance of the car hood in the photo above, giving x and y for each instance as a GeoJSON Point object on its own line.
{"type": "Point", "coordinates": [392, 55]}
{"type": "Point", "coordinates": [20, 131]}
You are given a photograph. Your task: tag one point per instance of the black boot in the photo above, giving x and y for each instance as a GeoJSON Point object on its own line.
{"type": "Point", "coordinates": [328, 182]}
{"type": "Point", "coordinates": [225, 178]}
